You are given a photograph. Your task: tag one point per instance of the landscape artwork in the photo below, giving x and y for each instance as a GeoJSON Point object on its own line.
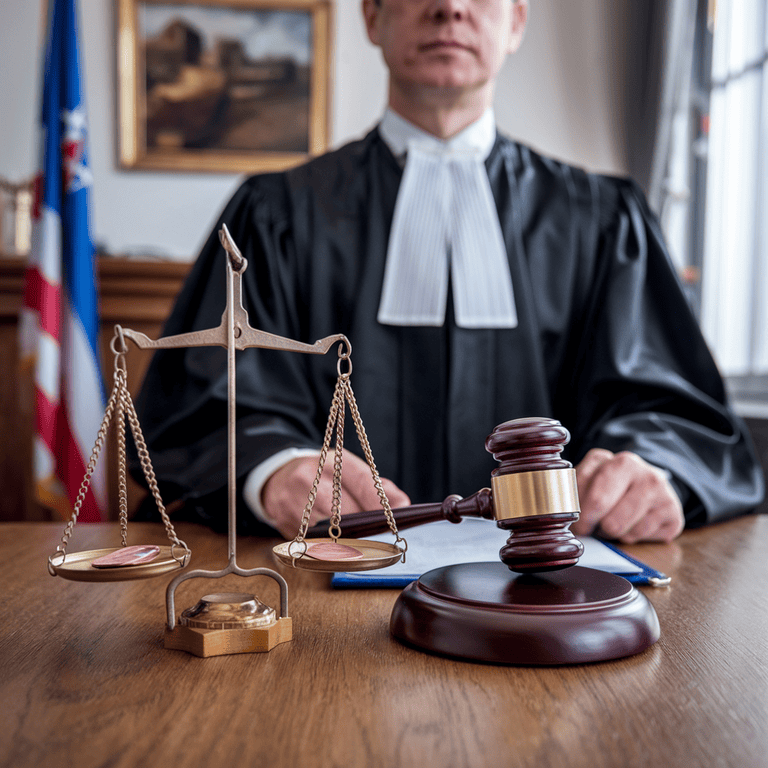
{"type": "Point", "coordinates": [237, 86]}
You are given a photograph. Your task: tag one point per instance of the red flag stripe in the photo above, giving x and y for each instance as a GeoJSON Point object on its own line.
{"type": "Point", "coordinates": [45, 299]}
{"type": "Point", "coordinates": [71, 470]}
{"type": "Point", "coordinates": [53, 428]}
{"type": "Point", "coordinates": [46, 416]}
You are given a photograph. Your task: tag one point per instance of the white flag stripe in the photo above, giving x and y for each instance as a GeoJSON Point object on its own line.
{"type": "Point", "coordinates": [48, 233]}
{"type": "Point", "coordinates": [45, 465]}
{"type": "Point", "coordinates": [83, 394]}
{"type": "Point", "coordinates": [44, 255]}
{"type": "Point", "coordinates": [47, 367]}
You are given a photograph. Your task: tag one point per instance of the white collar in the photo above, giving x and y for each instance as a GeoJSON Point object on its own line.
{"type": "Point", "coordinates": [398, 133]}
{"type": "Point", "coordinates": [445, 221]}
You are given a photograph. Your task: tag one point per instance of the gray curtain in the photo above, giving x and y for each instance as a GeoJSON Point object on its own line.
{"type": "Point", "coordinates": [660, 65]}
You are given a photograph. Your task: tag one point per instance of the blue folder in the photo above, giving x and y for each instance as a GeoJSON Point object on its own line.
{"type": "Point", "coordinates": [442, 543]}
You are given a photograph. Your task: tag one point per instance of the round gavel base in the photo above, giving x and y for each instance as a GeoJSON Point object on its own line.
{"type": "Point", "coordinates": [484, 612]}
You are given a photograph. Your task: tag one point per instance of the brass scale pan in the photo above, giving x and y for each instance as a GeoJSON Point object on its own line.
{"type": "Point", "coordinates": [77, 566]}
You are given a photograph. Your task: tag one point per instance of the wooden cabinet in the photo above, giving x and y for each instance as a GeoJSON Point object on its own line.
{"type": "Point", "coordinates": [135, 294]}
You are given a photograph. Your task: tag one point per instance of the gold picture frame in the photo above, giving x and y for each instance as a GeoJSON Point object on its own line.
{"type": "Point", "coordinates": [229, 86]}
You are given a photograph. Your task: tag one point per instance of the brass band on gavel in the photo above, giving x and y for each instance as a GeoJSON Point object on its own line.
{"type": "Point", "coordinates": [543, 492]}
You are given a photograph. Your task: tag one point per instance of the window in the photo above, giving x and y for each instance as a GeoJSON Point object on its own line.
{"type": "Point", "coordinates": [734, 299]}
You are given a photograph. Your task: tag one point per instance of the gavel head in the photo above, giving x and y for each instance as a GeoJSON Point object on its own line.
{"type": "Point", "coordinates": [535, 496]}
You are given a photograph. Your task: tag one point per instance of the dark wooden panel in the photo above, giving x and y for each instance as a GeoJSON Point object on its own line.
{"type": "Point", "coordinates": [136, 294]}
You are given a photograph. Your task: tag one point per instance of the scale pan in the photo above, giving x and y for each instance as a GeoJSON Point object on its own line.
{"type": "Point", "coordinates": [77, 566]}
{"type": "Point", "coordinates": [376, 554]}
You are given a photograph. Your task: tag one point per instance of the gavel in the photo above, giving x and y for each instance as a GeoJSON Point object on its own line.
{"type": "Point", "coordinates": [533, 495]}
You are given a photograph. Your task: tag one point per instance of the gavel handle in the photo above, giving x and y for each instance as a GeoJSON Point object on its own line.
{"type": "Point", "coordinates": [453, 509]}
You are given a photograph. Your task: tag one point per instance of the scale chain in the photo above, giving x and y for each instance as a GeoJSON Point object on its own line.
{"type": "Point", "coordinates": [363, 437]}
{"type": "Point", "coordinates": [121, 405]}
{"type": "Point", "coordinates": [343, 392]}
{"type": "Point", "coordinates": [334, 529]}
{"type": "Point", "coordinates": [337, 395]}
{"type": "Point", "coordinates": [121, 464]}
{"type": "Point", "coordinates": [61, 549]}
{"type": "Point", "coordinates": [149, 474]}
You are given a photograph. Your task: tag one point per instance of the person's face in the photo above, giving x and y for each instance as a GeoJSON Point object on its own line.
{"type": "Point", "coordinates": [455, 44]}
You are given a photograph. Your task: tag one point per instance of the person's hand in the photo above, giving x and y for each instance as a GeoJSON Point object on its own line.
{"type": "Point", "coordinates": [624, 497]}
{"type": "Point", "coordinates": [284, 495]}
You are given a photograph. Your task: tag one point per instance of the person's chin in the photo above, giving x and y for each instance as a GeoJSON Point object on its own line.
{"type": "Point", "coordinates": [440, 75]}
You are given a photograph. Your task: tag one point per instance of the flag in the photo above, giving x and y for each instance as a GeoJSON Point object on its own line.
{"type": "Point", "coordinates": [59, 320]}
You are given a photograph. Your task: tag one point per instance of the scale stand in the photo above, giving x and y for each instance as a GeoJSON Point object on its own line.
{"type": "Point", "coordinates": [225, 623]}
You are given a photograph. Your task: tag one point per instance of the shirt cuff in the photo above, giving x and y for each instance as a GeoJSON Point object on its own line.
{"type": "Point", "coordinates": [258, 476]}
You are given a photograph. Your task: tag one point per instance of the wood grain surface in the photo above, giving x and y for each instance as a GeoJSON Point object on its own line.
{"type": "Point", "coordinates": [85, 680]}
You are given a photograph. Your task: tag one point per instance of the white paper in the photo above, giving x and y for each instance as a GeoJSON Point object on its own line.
{"type": "Point", "coordinates": [474, 541]}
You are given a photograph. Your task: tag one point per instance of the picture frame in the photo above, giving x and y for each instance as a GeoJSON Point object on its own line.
{"type": "Point", "coordinates": [228, 86]}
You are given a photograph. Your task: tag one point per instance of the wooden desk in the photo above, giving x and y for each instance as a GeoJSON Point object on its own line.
{"type": "Point", "coordinates": [86, 681]}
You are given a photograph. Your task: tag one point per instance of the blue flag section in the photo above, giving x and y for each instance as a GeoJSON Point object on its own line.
{"type": "Point", "coordinates": [60, 327]}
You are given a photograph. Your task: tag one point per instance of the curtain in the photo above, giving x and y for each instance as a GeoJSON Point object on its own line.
{"type": "Point", "coordinates": [735, 271]}
{"type": "Point", "coordinates": [670, 168]}
{"type": "Point", "coordinates": [659, 113]}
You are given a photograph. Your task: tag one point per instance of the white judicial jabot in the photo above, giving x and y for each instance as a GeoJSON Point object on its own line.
{"type": "Point", "coordinates": [445, 217]}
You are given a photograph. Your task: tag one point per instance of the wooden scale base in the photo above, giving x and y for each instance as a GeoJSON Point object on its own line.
{"type": "Point", "coordinates": [484, 612]}
{"type": "Point", "coordinates": [221, 642]}
{"type": "Point", "coordinates": [226, 623]}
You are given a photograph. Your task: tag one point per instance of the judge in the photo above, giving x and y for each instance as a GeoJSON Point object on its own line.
{"type": "Point", "coordinates": [477, 282]}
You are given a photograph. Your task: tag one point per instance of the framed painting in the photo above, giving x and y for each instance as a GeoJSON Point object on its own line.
{"type": "Point", "coordinates": [237, 86]}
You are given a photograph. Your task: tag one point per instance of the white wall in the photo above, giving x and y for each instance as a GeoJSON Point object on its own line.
{"type": "Point", "coordinates": [563, 93]}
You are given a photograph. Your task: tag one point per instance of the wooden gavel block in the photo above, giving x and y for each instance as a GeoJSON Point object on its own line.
{"type": "Point", "coordinates": [548, 610]}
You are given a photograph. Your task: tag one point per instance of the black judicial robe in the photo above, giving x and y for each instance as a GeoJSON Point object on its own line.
{"type": "Point", "coordinates": [605, 341]}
